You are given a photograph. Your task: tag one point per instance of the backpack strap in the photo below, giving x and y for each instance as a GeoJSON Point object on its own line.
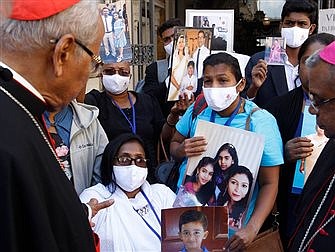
{"type": "Point", "coordinates": [247, 122]}
{"type": "Point", "coordinates": [199, 105]}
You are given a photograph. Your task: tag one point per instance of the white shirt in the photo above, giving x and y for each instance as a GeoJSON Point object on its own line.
{"type": "Point", "coordinates": [204, 53]}
{"type": "Point", "coordinates": [23, 81]}
{"type": "Point", "coordinates": [107, 21]}
{"type": "Point", "coordinates": [291, 73]}
{"type": "Point", "coordinates": [120, 227]}
{"type": "Point", "coordinates": [189, 81]}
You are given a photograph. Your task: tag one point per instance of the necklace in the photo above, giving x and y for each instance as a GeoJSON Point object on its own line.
{"type": "Point", "coordinates": [33, 120]}
{"type": "Point", "coordinates": [303, 246]}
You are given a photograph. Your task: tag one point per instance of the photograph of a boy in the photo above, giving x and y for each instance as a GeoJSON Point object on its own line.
{"type": "Point", "coordinates": [201, 183]}
{"type": "Point", "coordinates": [188, 84]}
{"type": "Point", "coordinates": [236, 195]}
{"type": "Point", "coordinates": [193, 230]}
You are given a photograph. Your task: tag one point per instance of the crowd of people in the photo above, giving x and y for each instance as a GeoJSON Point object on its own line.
{"type": "Point", "coordinates": [80, 174]}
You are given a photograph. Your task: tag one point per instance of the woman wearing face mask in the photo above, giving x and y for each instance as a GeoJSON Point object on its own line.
{"type": "Point", "coordinates": [222, 84]}
{"type": "Point", "coordinates": [133, 222]}
{"type": "Point", "coordinates": [122, 111]}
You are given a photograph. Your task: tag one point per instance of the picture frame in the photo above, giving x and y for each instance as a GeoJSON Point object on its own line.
{"type": "Point", "coordinates": [222, 22]}
{"type": "Point", "coordinates": [190, 48]}
{"type": "Point", "coordinates": [116, 43]}
{"type": "Point", "coordinates": [217, 227]}
{"type": "Point", "coordinates": [211, 178]}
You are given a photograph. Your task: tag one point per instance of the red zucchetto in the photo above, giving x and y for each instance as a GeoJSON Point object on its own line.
{"type": "Point", "coordinates": [34, 9]}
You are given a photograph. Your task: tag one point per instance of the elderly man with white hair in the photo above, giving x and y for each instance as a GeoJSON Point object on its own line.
{"type": "Point", "coordinates": [47, 49]}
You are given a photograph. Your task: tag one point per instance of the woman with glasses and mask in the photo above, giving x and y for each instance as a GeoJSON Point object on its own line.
{"type": "Point", "coordinates": [133, 222]}
{"type": "Point", "coordinates": [290, 111]}
{"type": "Point", "coordinates": [124, 111]}
{"type": "Point", "coordinates": [222, 85]}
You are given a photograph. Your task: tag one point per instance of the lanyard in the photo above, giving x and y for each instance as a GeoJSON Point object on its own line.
{"type": "Point", "coordinates": [153, 210]}
{"type": "Point", "coordinates": [301, 118]}
{"type": "Point", "coordinates": [232, 116]}
{"type": "Point", "coordinates": [132, 125]}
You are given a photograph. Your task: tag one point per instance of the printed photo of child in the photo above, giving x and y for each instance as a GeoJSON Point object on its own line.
{"type": "Point", "coordinates": [193, 230]}
{"type": "Point", "coordinates": [189, 82]}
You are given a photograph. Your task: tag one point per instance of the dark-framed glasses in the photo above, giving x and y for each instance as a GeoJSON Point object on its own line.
{"type": "Point", "coordinates": [139, 161]}
{"type": "Point", "coordinates": [316, 102]}
{"type": "Point", "coordinates": [112, 71]}
{"type": "Point", "coordinates": [168, 39]}
{"type": "Point", "coordinates": [96, 59]}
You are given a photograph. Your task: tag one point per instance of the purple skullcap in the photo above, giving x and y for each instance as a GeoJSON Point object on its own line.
{"type": "Point", "coordinates": [328, 53]}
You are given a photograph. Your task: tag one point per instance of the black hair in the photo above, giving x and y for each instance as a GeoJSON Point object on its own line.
{"type": "Point", "coordinates": [169, 24]}
{"type": "Point", "coordinates": [239, 207]}
{"type": "Point", "coordinates": [193, 216]}
{"type": "Point", "coordinates": [206, 191]}
{"type": "Point", "coordinates": [109, 155]}
{"type": "Point", "coordinates": [201, 31]}
{"type": "Point", "coordinates": [301, 6]}
{"type": "Point", "coordinates": [182, 36]}
{"type": "Point", "coordinates": [322, 38]}
{"type": "Point", "coordinates": [227, 59]}
{"type": "Point", "coordinates": [190, 63]}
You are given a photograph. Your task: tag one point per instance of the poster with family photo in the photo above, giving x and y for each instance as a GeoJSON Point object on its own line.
{"type": "Point", "coordinates": [222, 22]}
{"type": "Point", "coordinates": [194, 229]}
{"type": "Point", "coordinates": [226, 173]}
{"type": "Point", "coordinates": [304, 166]}
{"type": "Point", "coordinates": [116, 45]}
{"type": "Point", "coordinates": [275, 50]}
{"type": "Point", "coordinates": [190, 48]}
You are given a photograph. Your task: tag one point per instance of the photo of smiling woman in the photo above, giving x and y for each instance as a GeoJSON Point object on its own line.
{"type": "Point", "coordinates": [239, 182]}
{"type": "Point", "coordinates": [201, 182]}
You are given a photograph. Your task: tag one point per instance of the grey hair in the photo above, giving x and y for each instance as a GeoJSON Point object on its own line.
{"type": "Point", "coordinates": [315, 59]}
{"type": "Point", "coordinates": [80, 20]}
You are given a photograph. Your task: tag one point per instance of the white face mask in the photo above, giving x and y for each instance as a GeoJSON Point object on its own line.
{"type": "Point", "coordinates": [116, 84]}
{"type": "Point", "coordinates": [130, 177]}
{"type": "Point", "coordinates": [219, 99]}
{"type": "Point", "coordinates": [168, 48]}
{"type": "Point", "coordinates": [295, 36]}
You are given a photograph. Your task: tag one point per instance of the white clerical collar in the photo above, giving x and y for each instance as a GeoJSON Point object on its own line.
{"type": "Point", "coordinates": [23, 82]}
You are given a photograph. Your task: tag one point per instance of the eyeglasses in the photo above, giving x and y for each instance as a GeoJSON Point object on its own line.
{"type": "Point", "coordinates": [196, 233]}
{"type": "Point", "coordinates": [168, 39]}
{"type": "Point", "coordinates": [316, 102]}
{"type": "Point", "coordinates": [96, 60]}
{"type": "Point", "coordinates": [123, 161]}
{"type": "Point", "coordinates": [112, 71]}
